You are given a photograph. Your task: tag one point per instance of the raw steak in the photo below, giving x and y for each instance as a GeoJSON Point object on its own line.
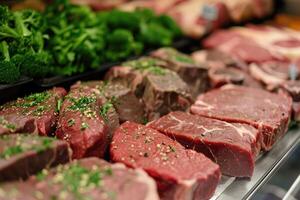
{"type": "Point", "coordinates": [36, 113]}
{"type": "Point", "coordinates": [193, 74]}
{"type": "Point", "coordinates": [228, 144]}
{"type": "Point", "coordinates": [161, 90]}
{"type": "Point", "coordinates": [89, 178]}
{"type": "Point", "coordinates": [126, 104]}
{"type": "Point", "coordinates": [82, 122]}
{"type": "Point", "coordinates": [22, 155]}
{"type": "Point", "coordinates": [269, 113]}
{"type": "Point", "coordinates": [223, 76]}
{"type": "Point", "coordinates": [240, 47]}
{"type": "Point", "coordinates": [179, 173]}
{"type": "Point", "coordinates": [293, 89]}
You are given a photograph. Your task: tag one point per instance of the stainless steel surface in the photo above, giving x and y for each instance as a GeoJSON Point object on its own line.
{"type": "Point", "coordinates": [293, 190]}
{"type": "Point", "coordinates": [265, 166]}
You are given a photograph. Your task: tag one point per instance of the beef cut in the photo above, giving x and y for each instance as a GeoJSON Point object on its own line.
{"type": "Point", "coordinates": [22, 155]}
{"type": "Point", "coordinates": [293, 89]}
{"type": "Point", "coordinates": [162, 90]}
{"type": "Point", "coordinates": [233, 146]}
{"type": "Point", "coordinates": [195, 75]}
{"type": "Point", "coordinates": [36, 113]}
{"type": "Point", "coordinates": [83, 121]}
{"type": "Point", "coordinates": [269, 113]}
{"type": "Point", "coordinates": [179, 173]}
{"type": "Point", "coordinates": [89, 178]}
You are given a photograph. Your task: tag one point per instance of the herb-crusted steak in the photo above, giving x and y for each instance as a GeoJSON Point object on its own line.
{"type": "Point", "coordinates": [126, 104]}
{"type": "Point", "coordinates": [162, 90]}
{"type": "Point", "coordinates": [269, 113]}
{"type": "Point", "coordinates": [22, 155]}
{"type": "Point", "coordinates": [228, 144]}
{"type": "Point", "coordinates": [81, 123]}
{"type": "Point", "coordinates": [89, 178]}
{"type": "Point", "coordinates": [179, 173]}
{"type": "Point", "coordinates": [36, 113]}
{"type": "Point", "coordinates": [195, 75]}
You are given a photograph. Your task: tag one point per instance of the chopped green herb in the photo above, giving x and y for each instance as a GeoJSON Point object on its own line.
{"type": "Point", "coordinates": [184, 59]}
{"type": "Point", "coordinates": [58, 106]}
{"type": "Point", "coordinates": [11, 151]}
{"type": "Point", "coordinates": [105, 108]}
{"type": "Point", "coordinates": [34, 99]}
{"type": "Point", "coordinates": [42, 175]}
{"type": "Point", "coordinates": [172, 148]}
{"type": "Point", "coordinates": [145, 120]}
{"type": "Point", "coordinates": [146, 64]}
{"type": "Point", "coordinates": [82, 103]}
{"type": "Point", "coordinates": [11, 126]}
{"type": "Point", "coordinates": [71, 122]}
{"type": "Point", "coordinates": [84, 126]}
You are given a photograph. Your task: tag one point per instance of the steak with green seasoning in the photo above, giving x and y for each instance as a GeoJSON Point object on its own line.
{"type": "Point", "coordinates": [161, 89]}
{"type": "Point", "coordinates": [194, 75]}
{"type": "Point", "coordinates": [22, 155]}
{"type": "Point", "coordinates": [86, 179]}
{"type": "Point", "coordinates": [179, 173]}
{"type": "Point", "coordinates": [36, 113]}
{"type": "Point", "coordinates": [83, 121]}
{"type": "Point", "coordinates": [125, 102]}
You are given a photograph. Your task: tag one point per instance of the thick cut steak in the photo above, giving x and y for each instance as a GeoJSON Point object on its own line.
{"type": "Point", "coordinates": [126, 104]}
{"type": "Point", "coordinates": [232, 146]}
{"type": "Point", "coordinates": [89, 178]}
{"type": "Point", "coordinates": [22, 155]}
{"type": "Point", "coordinates": [82, 122]}
{"type": "Point", "coordinates": [162, 90]}
{"type": "Point", "coordinates": [193, 74]}
{"type": "Point", "coordinates": [179, 173]}
{"type": "Point", "coordinates": [269, 113]}
{"type": "Point", "coordinates": [36, 113]}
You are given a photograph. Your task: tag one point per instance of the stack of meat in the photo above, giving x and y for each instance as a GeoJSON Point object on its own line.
{"type": "Point", "coordinates": [270, 55]}
{"type": "Point", "coordinates": [190, 141]}
{"type": "Point", "coordinates": [195, 17]}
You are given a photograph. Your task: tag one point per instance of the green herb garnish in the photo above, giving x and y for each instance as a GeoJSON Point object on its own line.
{"type": "Point", "coordinates": [71, 122]}
{"type": "Point", "coordinates": [59, 104]}
{"type": "Point", "coordinates": [105, 109]}
{"type": "Point", "coordinates": [34, 99]}
{"type": "Point", "coordinates": [11, 151]}
{"type": "Point", "coordinates": [82, 103]}
{"type": "Point", "coordinates": [84, 126]}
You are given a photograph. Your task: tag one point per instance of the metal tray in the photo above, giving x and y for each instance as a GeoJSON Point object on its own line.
{"type": "Point", "coordinates": [265, 166]}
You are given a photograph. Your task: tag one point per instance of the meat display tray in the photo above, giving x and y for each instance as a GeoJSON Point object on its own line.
{"type": "Point", "coordinates": [266, 164]}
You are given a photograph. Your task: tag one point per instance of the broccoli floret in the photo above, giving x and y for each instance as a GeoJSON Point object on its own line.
{"type": "Point", "coordinates": [123, 20]}
{"type": "Point", "coordinates": [36, 65]}
{"type": "Point", "coordinates": [168, 23]}
{"type": "Point", "coordinates": [9, 72]}
{"type": "Point", "coordinates": [121, 44]}
{"type": "Point", "coordinates": [153, 34]}
{"type": "Point", "coordinates": [6, 18]}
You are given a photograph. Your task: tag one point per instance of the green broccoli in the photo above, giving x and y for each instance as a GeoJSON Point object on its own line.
{"type": "Point", "coordinates": [121, 44]}
{"type": "Point", "coordinates": [9, 72]}
{"type": "Point", "coordinates": [152, 34]}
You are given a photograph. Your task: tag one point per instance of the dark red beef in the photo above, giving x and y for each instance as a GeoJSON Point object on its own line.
{"type": "Point", "coordinates": [222, 76]}
{"type": "Point", "coordinates": [293, 89]}
{"type": "Point", "coordinates": [36, 113]}
{"type": "Point", "coordinates": [89, 178]}
{"type": "Point", "coordinates": [227, 144]}
{"type": "Point", "coordinates": [240, 47]}
{"type": "Point", "coordinates": [193, 74]}
{"type": "Point", "coordinates": [271, 74]}
{"type": "Point", "coordinates": [214, 59]}
{"type": "Point", "coordinates": [82, 122]}
{"type": "Point", "coordinates": [269, 113]}
{"type": "Point", "coordinates": [179, 173]}
{"type": "Point", "coordinates": [22, 155]}
{"type": "Point", "coordinates": [161, 90]}
{"type": "Point", "coordinates": [296, 111]}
